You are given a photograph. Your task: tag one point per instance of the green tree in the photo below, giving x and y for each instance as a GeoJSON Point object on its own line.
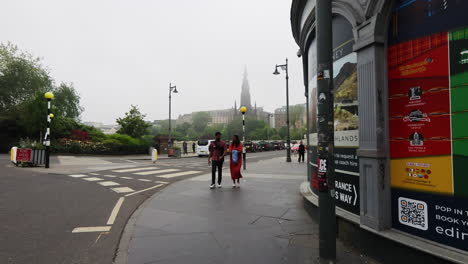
{"type": "Point", "coordinates": [133, 124]}
{"type": "Point", "coordinates": [183, 128]}
{"type": "Point", "coordinates": [200, 121]}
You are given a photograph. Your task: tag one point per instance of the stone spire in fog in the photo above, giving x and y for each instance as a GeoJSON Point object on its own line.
{"type": "Point", "coordinates": [245, 93]}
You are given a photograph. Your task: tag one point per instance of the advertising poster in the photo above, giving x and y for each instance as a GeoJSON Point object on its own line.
{"type": "Point", "coordinates": [346, 118]}
{"type": "Point", "coordinates": [428, 113]}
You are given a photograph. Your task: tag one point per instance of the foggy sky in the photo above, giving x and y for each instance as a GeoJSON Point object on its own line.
{"type": "Point", "coordinates": [122, 52]}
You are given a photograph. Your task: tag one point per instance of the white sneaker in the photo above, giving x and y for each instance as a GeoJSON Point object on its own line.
{"type": "Point", "coordinates": [234, 185]}
{"type": "Point", "coordinates": [219, 185]}
{"type": "Point", "coordinates": [212, 186]}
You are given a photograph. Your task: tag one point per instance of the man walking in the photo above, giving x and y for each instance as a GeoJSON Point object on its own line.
{"type": "Point", "coordinates": [217, 150]}
{"type": "Point", "coordinates": [193, 147]}
{"type": "Point", "coordinates": [184, 146]}
{"type": "Point", "coordinates": [301, 152]}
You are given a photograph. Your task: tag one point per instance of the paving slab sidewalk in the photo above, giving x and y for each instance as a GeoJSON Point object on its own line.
{"type": "Point", "coordinates": [264, 221]}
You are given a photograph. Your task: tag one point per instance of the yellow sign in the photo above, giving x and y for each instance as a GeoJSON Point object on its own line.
{"type": "Point", "coordinates": [432, 174]}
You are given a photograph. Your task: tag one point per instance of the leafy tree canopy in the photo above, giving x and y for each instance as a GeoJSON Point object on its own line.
{"type": "Point", "coordinates": [133, 123]}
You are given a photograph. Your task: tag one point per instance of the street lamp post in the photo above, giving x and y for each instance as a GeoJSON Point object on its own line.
{"type": "Point", "coordinates": [48, 96]}
{"type": "Point", "coordinates": [243, 109]}
{"type": "Point", "coordinates": [288, 137]}
{"type": "Point", "coordinates": [172, 89]}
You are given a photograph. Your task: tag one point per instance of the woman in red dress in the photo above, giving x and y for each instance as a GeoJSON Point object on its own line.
{"type": "Point", "coordinates": [235, 160]}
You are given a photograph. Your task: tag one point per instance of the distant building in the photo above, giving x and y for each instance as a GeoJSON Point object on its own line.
{"type": "Point", "coordinates": [106, 129]}
{"type": "Point", "coordinates": [224, 116]}
{"type": "Point", "coordinates": [297, 116]}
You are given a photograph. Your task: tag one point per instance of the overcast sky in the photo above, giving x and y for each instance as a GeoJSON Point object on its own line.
{"type": "Point", "coordinates": [122, 52]}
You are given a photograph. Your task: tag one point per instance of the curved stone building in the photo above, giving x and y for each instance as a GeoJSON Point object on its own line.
{"type": "Point", "coordinates": [400, 72]}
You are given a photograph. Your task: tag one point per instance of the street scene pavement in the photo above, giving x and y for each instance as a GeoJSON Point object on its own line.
{"type": "Point", "coordinates": [75, 211]}
{"type": "Point", "coordinates": [264, 221]}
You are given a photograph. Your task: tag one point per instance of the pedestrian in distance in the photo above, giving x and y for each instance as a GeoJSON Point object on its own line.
{"type": "Point", "coordinates": [217, 150]}
{"type": "Point", "coordinates": [193, 147]}
{"type": "Point", "coordinates": [301, 151]}
{"type": "Point", "coordinates": [184, 146]}
{"type": "Point", "coordinates": [235, 160]}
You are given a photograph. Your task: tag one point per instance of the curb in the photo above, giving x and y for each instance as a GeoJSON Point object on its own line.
{"type": "Point", "coordinates": [121, 254]}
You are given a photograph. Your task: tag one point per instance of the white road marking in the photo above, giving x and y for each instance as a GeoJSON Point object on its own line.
{"type": "Point", "coordinates": [110, 176]}
{"type": "Point", "coordinates": [135, 169]}
{"type": "Point", "coordinates": [95, 174]}
{"type": "Point", "coordinates": [144, 180]}
{"type": "Point", "coordinates": [155, 172]}
{"type": "Point", "coordinates": [178, 174]}
{"type": "Point", "coordinates": [91, 229]}
{"type": "Point", "coordinates": [131, 161]}
{"type": "Point", "coordinates": [128, 178]}
{"type": "Point", "coordinates": [122, 190]}
{"type": "Point", "coordinates": [144, 190]}
{"type": "Point", "coordinates": [115, 211]}
{"type": "Point", "coordinates": [163, 182]}
{"type": "Point", "coordinates": [92, 179]}
{"type": "Point", "coordinates": [78, 175]}
{"type": "Point", "coordinates": [109, 183]}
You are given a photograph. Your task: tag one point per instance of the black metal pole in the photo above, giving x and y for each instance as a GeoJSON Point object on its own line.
{"type": "Point", "coordinates": [170, 132]}
{"type": "Point", "coordinates": [326, 170]}
{"type": "Point", "coordinates": [47, 137]}
{"type": "Point", "coordinates": [288, 136]}
{"type": "Point", "coordinates": [244, 156]}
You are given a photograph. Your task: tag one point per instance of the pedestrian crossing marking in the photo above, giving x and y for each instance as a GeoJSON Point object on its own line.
{"type": "Point", "coordinates": [78, 175]}
{"type": "Point", "coordinates": [91, 179]}
{"type": "Point", "coordinates": [95, 174]}
{"type": "Point", "coordinates": [155, 172]}
{"type": "Point", "coordinates": [109, 183]}
{"type": "Point", "coordinates": [178, 174]}
{"type": "Point", "coordinates": [163, 182]}
{"type": "Point", "coordinates": [135, 169]}
{"type": "Point", "coordinates": [144, 180]}
{"type": "Point", "coordinates": [122, 190]}
{"type": "Point", "coordinates": [127, 178]}
{"type": "Point", "coordinates": [110, 176]}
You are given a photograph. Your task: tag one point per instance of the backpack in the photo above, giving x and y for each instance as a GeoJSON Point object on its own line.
{"type": "Point", "coordinates": [235, 156]}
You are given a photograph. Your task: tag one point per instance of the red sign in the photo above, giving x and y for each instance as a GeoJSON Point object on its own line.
{"type": "Point", "coordinates": [23, 155]}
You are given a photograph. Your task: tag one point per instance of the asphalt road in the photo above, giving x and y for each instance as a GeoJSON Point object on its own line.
{"type": "Point", "coordinates": [78, 218]}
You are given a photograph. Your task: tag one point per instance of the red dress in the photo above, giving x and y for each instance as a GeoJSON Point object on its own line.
{"type": "Point", "coordinates": [235, 168]}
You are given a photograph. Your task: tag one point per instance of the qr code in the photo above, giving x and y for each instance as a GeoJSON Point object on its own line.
{"type": "Point", "coordinates": [412, 213]}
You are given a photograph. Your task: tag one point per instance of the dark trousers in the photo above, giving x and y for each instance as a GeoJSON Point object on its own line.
{"type": "Point", "coordinates": [216, 164]}
{"type": "Point", "coordinates": [301, 155]}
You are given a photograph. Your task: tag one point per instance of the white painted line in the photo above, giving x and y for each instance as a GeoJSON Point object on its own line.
{"type": "Point", "coordinates": [144, 180]}
{"type": "Point", "coordinates": [155, 172]}
{"type": "Point", "coordinates": [95, 174]}
{"type": "Point", "coordinates": [115, 211]}
{"type": "Point", "coordinates": [122, 190]}
{"type": "Point", "coordinates": [91, 229]}
{"type": "Point", "coordinates": [78, 175]}
{"type": "Point", "coordinates": [110, 176]}
{"type": "Point", "coordinates": [144, 190]}
{"type": "Point", "coordinates": [163, 182]}
{"type": "Point", "coordinates": [92, 179]}
{"type": "Point", "coordinates": [109, 183]}
{"type": "Point", "coordinates": [131, 161]}
{"type": "Point", "coordinates": [135, 169]}
{"type": "Point", "coordinates": [178, 174]}
{"type": "Point", "coordinates": [128, 178]}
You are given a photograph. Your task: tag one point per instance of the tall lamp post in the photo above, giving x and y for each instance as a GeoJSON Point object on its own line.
{"type": "Point", "coordinates": [172, 89]}
{"type": "Point", "coordinates": [288, 137]}
{"type": "Point", "coordinates": [243, 109]}
{"type": "Point", "coordinates": [48, 96]}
